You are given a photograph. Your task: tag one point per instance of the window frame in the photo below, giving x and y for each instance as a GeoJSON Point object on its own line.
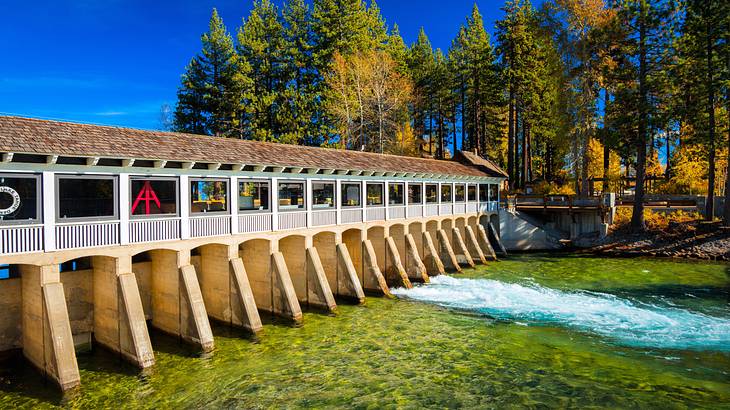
{"type": "Point", "coordinates": [382, 194]}
{"type": "Point", "coordinates": [420, 196]}
{"type": "Point", "coordinates": [238, 196]}
{"type": "Point", "coordinates": [39, 199]}
{"type": "Point", "coordinates": [438, 194]}
{"type": "Point", "coordinates": [322, 207]}
{"type": "Point", "coordinates": [476, 196]}
{"type": "Point", "coordinates": [304, 195]}
{"type": "Point", "coordinates": [115, 200]}
{"type": "Point", "coordinates": [192, 180]}
{"type": "Point", "coordinates": [154, 178]}
{"type": "Point", "coordinates": [441, 194]}
{"type": "Point", "coordinates": [343, 185]}
{"type": "Point", "coordinates": [403, 193]}
{"type": "Point", "coordinates": [455, 200]}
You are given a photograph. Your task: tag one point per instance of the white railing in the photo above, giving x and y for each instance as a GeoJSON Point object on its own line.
{"type": "Point", "coordinates": [396, 212]}
{"type": "Point", "coordinates": [472, 207]}
{"type": "Point", "coordinates": [153, 230]}
{"type": "Point", "coordinates": [87, 234]}
{"type": "Point", "coordinates": [494, 206]}
{"type": "Point", "coordinates": [431, 210]}
{"type": "Point", "coordinates": [459, 208]}
{"type": "Point", "coordinates": [415, 211]}
{"type": "Point", "coordinates": [351, 216]}
{"type": "Point", "coordinates": [292, 220]}
{"type": "Point", "coordinates": [446, 209]}
{"type": "Point", "coordinates": [321, 218]}
{"type": "Point", "coordinates": [201, 226]}
{"type": "Point", "coordinates": [21, 239]}
{"type": "Point", "coordinates": [483, 206]}
{"type": "Point", "coordinates": [375, 214]}
{"type": "Point", "coordinates": [254, 223]}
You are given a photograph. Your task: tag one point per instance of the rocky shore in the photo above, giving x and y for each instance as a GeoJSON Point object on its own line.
{"type": "Point", "coordinates": [696, 240]}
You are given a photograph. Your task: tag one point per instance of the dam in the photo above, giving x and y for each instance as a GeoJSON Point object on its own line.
{"type": "Point", "coordinates": [107, 231]}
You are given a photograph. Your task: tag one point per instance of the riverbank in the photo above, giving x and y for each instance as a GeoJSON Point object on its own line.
{"type": "Point", "coordinates": [687, 239]}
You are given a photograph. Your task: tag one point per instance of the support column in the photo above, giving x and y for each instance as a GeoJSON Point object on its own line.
{"type": "Point", "coordinates": [462, 253]}
{"type": "Point", "coordinates": [319, 293]}
{"type": "Point", "coordinates": [177, 302]}
{"type": "Point", "coordinates": [414, 265]}
{"type": "Point", "coordinates": [119, 321]}
{"type": "Point", "coordinates": [432, 259]}
{"type": "Point", "coordinates": [348, 283]}
{"type": "Point", "coordinates": [447, 253]}
{"type": "Point", "coordinates": [284, 297]}
{"type": "Point", "coordinates": [47, 340]}
{"type": "Point", "coordinates": [226, 288]}
{"type": "Point", "coordinates": [374, 281]}
{"type": "Point", "coordinates": [393, 266]}
{"type": "Point", "coordinates": [473, 245]}
{"type": "Point", "coordinates": [484, 243]}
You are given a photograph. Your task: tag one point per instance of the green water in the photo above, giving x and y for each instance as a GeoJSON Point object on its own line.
{"type": "Point", "coordinates": [403, 353]}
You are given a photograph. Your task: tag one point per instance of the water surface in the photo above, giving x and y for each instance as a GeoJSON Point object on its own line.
{"type": "Point", "coordinates": [534, 330]}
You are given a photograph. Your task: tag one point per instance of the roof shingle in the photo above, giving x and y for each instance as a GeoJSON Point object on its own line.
{"type": "Point", "coordinates": [35, 136]}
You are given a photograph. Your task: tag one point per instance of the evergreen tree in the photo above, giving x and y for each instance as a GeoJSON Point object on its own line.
{"type": "Point", "coordinates": [214, 83]}
{"type": "Point", "coordinates": [421, 64]}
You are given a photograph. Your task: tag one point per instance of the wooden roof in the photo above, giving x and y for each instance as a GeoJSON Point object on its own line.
{"type": "Point", "coordinates": [35, 136]}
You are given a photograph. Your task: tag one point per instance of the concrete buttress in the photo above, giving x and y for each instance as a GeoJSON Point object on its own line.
{"type": "Point", "coordinates": [473, 245]}
{"type": "Point", "coordinates": [284, 296]}
{"type": "Point", "coordinates": [414, 265]}
{"type": "Point", "coordinates": [434, 266]}
{"type": "Point", "coordinates": [460, 250]}
{"type": "Point", "coordinates": [447, 253]}
{"type": "Point", "coordinates": [47, 340]}
{"type": "Point", "coordinates": [348, 283]}
{"type": "Point", "coordinates": [319, 293]}
{"type": "Point", "coordinates": [394, 268]}
{"type": "Point", "coordinates": [374, 281]}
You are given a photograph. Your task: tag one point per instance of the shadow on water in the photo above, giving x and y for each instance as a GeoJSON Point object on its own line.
{"type": "Point", "coordinates": [18, 376]}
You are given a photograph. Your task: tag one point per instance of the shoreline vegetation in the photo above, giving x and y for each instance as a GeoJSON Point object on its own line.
{"type": "Point", "coordinates": [673, 235]}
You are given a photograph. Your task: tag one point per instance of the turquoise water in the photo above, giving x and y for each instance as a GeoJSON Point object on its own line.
{"type": "Point", "coordinates": [548, 331]}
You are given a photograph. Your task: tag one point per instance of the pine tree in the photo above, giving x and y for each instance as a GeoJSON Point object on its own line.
{"type": "Point", "coordinates": [214, 83]}
{"type": "Point", "coordinates": [421, 64]}
{"type": "Point", "coordinates": [262, 44]}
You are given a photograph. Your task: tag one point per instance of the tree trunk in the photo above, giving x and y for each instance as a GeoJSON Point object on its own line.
{"type": "Point", "coordinates": [511, 138]}
{"type": "Point", "coordinates": [637, 217]}
{"type": "Point", "coordinates": [525, 149]}
{"type": "Point", "coordinates": [710, 203]}
{"type": "Point", "coordinates": [726, 210]}
{"type": "Point", "coordinates": [606, 151]}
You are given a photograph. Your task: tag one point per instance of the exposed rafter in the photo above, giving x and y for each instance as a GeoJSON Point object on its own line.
{"type": "Point", "coordinates": [92, 161]}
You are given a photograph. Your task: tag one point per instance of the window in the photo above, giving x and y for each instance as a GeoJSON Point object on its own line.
{"type": "Point", "coordinates": [86, 197]}
{"type": "Point", "coordinates": [471, 193]}
{"type": "Point", "coordinates": [374, 194]}
{"type": "Point", "coordinates": [414, 194]}
{"type": "Point", "coordinates": [493, 190]}
{"type": "Point", "coordinates": [20, 201]}
{"type": "Point", "coordinates": [350, 194]}
{"type": "Point", "coordinates": [153, 196]}
{"type": "Point", "coordinates": [446, 193]}
{"type": "Point", "coordinates": [459, 192]}
{"type": "Point", "coordinates": [291, 195]}
{"type": "Point", "coordinates": [432, 193]}
{"type": "Point", "coordinates": [208, 195]}
{"type": "Point", "coordinates": [253, 195]}
{"type": "Point", "coordinates": [323, 195]}
{"type": "Point", "coordinates": [483, 192]}
{"type": "Point", "coordinates": [395, 194]}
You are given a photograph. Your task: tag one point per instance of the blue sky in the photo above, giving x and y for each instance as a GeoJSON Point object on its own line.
{"type": "Point", "coordinates": [117, 61]}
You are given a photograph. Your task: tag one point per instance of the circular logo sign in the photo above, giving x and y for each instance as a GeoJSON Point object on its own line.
{"type": "Point", "coordinates": [16, 200]}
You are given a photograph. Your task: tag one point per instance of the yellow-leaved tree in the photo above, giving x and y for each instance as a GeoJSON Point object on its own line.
{"type": "Point", "coordinates": [595, 166]}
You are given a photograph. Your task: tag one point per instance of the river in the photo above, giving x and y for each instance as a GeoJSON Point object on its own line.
{"type": "Point", "coordinates": [533, 330]}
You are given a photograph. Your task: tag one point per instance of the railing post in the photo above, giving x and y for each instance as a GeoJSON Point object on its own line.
{"type": "Point", "coordinates": [49, 211]}
{"type": "Point", "coordinates": [386, 199]}
{"type": "Point", "coordinates": [274, 204]}
{"type": "Point", "coordinates": [338, 202]}
{"type": "Point", "coordinates": [184, 207]}
{"type": "Point", "coordinates": [124, 209]}
{"type": "Point", "coordinates": [234, 204]}
{"type": "Point", "coordinates": [364, 200]}
{"type": "Point", "coordinates": [308, 201]}
{"type": "Point", "coordinates": [405, 199]}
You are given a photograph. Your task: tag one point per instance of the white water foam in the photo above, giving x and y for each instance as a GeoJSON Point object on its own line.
{"type": "Point", "coordinates": [628, 322]}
